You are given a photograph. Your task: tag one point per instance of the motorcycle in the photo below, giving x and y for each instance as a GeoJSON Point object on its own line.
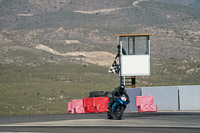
{"type": "Point", "coordinates": [117, 108]}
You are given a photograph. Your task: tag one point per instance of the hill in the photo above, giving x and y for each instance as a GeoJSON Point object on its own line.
{"type": "Point", "coordinates": [93, 24]}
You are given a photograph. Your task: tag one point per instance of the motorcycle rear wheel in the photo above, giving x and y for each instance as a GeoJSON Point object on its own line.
{"type": "Point", "coordinates": [109, 115]}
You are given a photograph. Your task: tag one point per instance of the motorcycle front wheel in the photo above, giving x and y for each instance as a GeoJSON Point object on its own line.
{"type": "Point", "coordinates": [118, 112]}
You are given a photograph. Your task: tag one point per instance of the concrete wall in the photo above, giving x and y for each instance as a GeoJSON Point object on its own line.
{"type": "Point", "coordinates": [132, 92]}
{"type": "Point", "coordinates": [168, 98]}
{"type": "Point", "coordinates": [165, 97]}
{"type": "Point", "coordinates": [189, 97]}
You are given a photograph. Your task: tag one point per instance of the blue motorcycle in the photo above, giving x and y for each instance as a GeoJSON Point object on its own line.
{"type": "Point", "coordinates": [117, 108]}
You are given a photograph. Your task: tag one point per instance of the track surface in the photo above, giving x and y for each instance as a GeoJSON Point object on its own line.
{"type": "Point", "coordinates": [173, 122]}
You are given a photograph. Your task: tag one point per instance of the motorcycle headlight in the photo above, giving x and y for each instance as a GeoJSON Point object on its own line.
{"type": "Point", "coordinates": [123, 98]}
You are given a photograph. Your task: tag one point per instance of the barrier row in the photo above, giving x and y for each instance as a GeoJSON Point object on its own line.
{"type": "Point", "coordinates": [99, 104]}
{"type": "Point", "coordinates": [88, 105]}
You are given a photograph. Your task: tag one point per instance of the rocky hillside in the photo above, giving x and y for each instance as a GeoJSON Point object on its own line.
{"type": "Point", "coordinates": [190, 3]}
{"type": "Point", "coordinates": [64, 26]}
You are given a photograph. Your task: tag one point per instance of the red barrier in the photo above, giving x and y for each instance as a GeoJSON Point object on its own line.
{"type": "Point", "coordinates": [77, 106]}
{"type": "Point", "coordinates": [100, 104]}
{"type": "Point", "coordinates": [147, 108]}
{"type": "Point", "coordinates": [69, 107]}
{"type": "Point", "coordinates": [88, 105]}
{"type": "Point", "coordinates": [139, 100]}
{"type": "Point", "coordinates": [145, 104]}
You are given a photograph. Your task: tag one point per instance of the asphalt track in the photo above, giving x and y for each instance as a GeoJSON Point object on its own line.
{"type": "Point", "coordinates": [160, 122]}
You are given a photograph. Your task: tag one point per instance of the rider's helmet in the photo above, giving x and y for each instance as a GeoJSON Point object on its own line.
{"type": "Point", "coordinates": [121, 89]}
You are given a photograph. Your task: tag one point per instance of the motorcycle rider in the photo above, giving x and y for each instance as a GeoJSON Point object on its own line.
{"type": "Point", "coordinates": [118, 92]}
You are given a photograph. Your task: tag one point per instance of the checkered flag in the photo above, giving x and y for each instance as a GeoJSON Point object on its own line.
{"type": "Point", "coordinates": [114, 68]}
